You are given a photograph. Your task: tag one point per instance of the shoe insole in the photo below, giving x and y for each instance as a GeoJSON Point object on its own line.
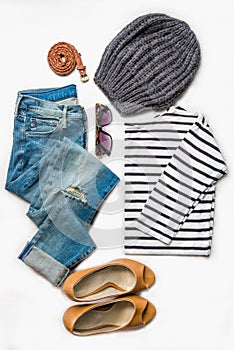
{"type": "Point", "coordinates": [110, 280]}
{"type": "Point", "coordinates": [104, 319]}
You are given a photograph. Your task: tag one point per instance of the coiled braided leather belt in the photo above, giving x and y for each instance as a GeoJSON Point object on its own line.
{"type": "Point", "coordinates": [63, 58]}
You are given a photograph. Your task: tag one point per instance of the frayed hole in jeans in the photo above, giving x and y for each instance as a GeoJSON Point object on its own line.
{"type": "Point", "coordinates": [74, 192]}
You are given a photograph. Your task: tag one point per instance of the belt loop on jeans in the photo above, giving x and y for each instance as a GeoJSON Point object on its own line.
{"type": "Point", "coordinates": [17, 105]}
{"type": "Point", "coordinates": [64, 120]}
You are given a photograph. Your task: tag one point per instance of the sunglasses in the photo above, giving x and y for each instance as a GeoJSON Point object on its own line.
{"type": "Point", "coordinates": [103, 139]}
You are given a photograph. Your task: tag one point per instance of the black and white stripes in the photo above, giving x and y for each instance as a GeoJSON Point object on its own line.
{"type": "Point", "coordinates": [172, 165]}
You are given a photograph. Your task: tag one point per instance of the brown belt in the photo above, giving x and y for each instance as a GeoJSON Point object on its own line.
{"type": "Point", "coordinates": [63, 58]}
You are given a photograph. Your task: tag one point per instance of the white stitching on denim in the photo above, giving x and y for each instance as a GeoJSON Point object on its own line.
{"type": "Point", "coordinates": [23, 140]}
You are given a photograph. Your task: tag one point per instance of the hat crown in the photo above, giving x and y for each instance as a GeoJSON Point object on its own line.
{"type": "Point", "coordinates": [149, 63]}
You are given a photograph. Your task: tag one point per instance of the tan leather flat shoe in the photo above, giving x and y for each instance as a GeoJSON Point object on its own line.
{"type": "Point", "coordinates": [116, 278]}
{"type": "Point", "coordinates": [125, 312]}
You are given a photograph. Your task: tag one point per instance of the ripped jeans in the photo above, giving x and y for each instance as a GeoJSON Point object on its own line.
{"type": "Point", "coordinates": [65, 185]}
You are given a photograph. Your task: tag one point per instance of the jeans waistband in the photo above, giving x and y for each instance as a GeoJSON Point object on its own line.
{"type": "Point", "coordinates": [50, 101]}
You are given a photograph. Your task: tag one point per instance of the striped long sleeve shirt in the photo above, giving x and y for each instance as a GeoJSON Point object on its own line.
{"type": "Point", "coordinates": [172, 163]}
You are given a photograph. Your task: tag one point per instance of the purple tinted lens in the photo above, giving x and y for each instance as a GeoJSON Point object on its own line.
{"type": "Point", "coordinates": [104, 115]}
{"type": "Point", "coordinates": [105, 141]}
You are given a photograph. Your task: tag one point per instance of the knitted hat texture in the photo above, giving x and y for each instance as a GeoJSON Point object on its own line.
{"type": "Point", "coordinates": [149, 64]}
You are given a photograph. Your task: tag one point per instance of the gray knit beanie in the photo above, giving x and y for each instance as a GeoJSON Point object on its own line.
{"type": "Point", "coordinates": [149, 64]}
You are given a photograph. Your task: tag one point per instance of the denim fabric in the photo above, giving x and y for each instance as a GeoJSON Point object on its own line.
{"type": "Point", "coordinates": [51, 169]}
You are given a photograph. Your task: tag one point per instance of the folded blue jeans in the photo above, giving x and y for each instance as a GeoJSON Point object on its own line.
{"type": "Point", "coordinates": [65, 185]}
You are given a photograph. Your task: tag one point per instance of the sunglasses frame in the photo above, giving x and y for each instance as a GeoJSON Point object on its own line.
{"type": "Point", "coordinates": [100, 150]}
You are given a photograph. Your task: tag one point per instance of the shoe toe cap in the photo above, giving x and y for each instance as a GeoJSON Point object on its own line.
{"type": "Point", "coordinates": [149, 277]}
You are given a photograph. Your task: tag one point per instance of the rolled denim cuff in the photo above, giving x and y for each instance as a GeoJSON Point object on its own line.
{"type": "Point", "coordinates": [46, 265]}
{"type": "Point", "coordinates": [106, 181]}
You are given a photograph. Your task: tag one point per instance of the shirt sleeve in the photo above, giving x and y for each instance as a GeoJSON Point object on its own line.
{"type": "Point", "coordinates": [196, 165]}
